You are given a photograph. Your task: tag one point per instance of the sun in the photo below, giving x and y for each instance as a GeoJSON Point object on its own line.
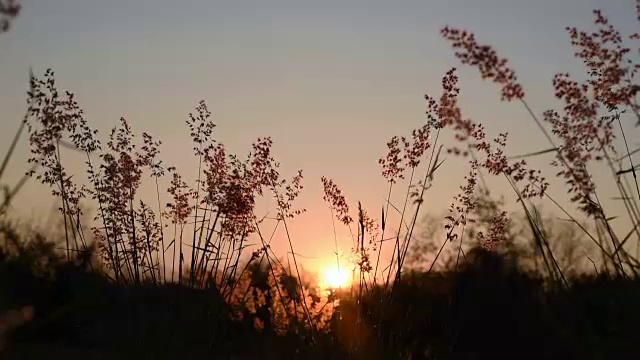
{"type": "Point", "coordinates": [334, 277]}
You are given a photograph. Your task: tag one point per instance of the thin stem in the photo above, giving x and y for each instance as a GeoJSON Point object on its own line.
{"type": "Point", "coordinates": [14, 142]}
{"type": "Point", "coordinates": [63, 195]}
{"type": "Point", "coordinates": [633, 171]}
{"type": "Point", "coordinates": [194, 250]}
{"type": "Point", "coordinates": [384, 213]}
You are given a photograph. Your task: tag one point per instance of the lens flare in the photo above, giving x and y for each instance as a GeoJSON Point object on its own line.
{"type": "Point", "coordinates": [335, 278]}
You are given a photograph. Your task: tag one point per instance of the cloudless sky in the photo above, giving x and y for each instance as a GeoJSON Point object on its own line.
{"type": "Point", "coordinates": [330, 81]}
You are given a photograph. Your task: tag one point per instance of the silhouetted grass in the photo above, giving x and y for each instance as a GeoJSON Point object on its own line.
{"type": "Point", "coordinates": [171, 282]}
{"type": "Point", "coordinates": [486, 309]}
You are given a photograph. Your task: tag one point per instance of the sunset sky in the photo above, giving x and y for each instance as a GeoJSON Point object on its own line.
{"type": "Point", "coordinates": [330, 81]}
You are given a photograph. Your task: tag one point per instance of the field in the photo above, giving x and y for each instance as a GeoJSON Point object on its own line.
{"type": "Point", "coordinates": [190, 270]}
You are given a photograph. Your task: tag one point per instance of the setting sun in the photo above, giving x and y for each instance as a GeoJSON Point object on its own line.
{"type": "Point", "coordinates": [335, 278]}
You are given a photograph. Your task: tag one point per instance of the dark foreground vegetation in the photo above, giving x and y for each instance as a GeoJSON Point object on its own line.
{"type": "Point", "coordinates": [189, 272]}
{"type": "Point", "coordinates": [485, 310]}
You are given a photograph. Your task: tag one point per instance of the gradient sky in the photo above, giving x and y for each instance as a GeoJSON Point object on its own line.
{"type": "Point", "coordinates": [331, 81]}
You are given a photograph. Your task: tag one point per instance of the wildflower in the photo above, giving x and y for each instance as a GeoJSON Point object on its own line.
{"type": "Point", "coordinates": [333, 195]}
{"type": "Point", "coordinates": [179, 209]}
{"type": "Point", "coordinates": [496, 233]}
{"type": "Point", "coordinates": [392, 168]}
{"type": "Point", "coordinates": [292, 190]}
{"type": "Point", "coordinates": [486, 59]}
{"type": "Point", "coordinates": [413, 151]}
{"type": "Point", "coordinates": [201, 127]}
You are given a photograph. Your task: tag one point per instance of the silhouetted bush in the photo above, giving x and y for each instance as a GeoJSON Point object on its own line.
{"type": "Point", "coordinates": [486, 309]}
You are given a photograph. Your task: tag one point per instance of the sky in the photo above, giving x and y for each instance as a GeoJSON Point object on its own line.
{"type": "Point", "coordinates": [330, 81]}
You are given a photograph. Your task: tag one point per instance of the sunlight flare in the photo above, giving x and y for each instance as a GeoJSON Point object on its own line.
{"type": "Point", "coordinates": [335, 277]}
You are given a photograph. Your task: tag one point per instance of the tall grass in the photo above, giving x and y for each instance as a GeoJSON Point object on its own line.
{"type": "Point", "coordinates": [201, 237]}
{"type": "Point", "coordinates": [581, 135]}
